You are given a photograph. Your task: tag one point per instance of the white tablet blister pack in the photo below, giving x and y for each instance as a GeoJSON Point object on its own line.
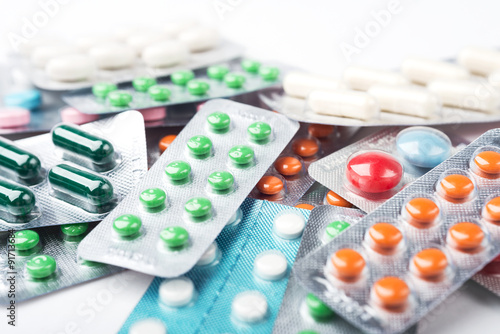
{"type": "Point", "coordinates": [400, 261]}
{"type": "Point", "coordinates": [73, 174]}
{"type": "Point", "coordinates": [42, 260]}
{"type": "Point", "coordinates": [372, 170]}
{"type": "Point", "coordinates": [175, 213]}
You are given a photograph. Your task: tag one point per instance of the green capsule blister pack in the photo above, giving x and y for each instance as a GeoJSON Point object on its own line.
{"type": "Point", "coordinates": [71, 175]}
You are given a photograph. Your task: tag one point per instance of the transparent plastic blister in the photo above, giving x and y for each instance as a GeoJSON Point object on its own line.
{"type": "Point", "coordinates": [388, 271]}
{"type": "Point", "coordinates": [39, 261]}
{"type": "Point", "coordinates": [74, 174]}
{"type": "Point", "coordinates": [190, 87]}
{"type": "Point", "coordinates": [288, 178]}
{"type": "Point", "coordinates": [372, 170]}
{"type": "Point", "coordinates": [236, 272]}
{"type": "Point", "coordinates": [191, 192]}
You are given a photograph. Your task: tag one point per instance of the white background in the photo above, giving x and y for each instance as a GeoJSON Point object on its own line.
{"type": "Point", "coordinates": [306, 34]}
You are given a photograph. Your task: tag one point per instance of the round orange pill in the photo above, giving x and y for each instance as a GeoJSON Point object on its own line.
{"type": "Point", "coordinates": [492, 209]}
{"type": "Point", "coordinates": [320, 130]}
{"type": "Point", "coordinates": [165, 142]}
{"type": "Point", "coordinates": [385, 236]}
{"type": "Point", "coordinates": [422, 210]}
{"type": "Point", "coordinates": [457, 186]}
{"type": "Point", "coordinates": [488, 162]}
{"type": "Point", "coordinates": [430, 262]}
{"type": "Point", "coordinates": [465, 236]}
{"type": "Point", "coordinates": [347, 263]}
{"type": "Point", "coordinates": [288, 166]}
{"type": "Point", "coordinates": [270, 185]}
{"type": "Point", "coordinates": [334, 199]}
{"type": "Point", "coordinates": [305, 206]}
{"type": "Point", "coordinates": [391, 292]}
{"type": "Point", "coordinates": [305, 147]}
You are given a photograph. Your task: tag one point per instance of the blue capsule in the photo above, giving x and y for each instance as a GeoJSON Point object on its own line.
{"type": "Point", "coordinates": [423, 147]}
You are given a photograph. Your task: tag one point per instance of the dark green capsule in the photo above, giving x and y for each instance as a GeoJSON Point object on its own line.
{"type": "Point", "coordinates": [81, 184]}
{"type": "Point", "coordinates": [25, 164]}
{"type": "Point", "coordinates": [16, 199]}
{"type": "Point", "coordinates": [73, 139]}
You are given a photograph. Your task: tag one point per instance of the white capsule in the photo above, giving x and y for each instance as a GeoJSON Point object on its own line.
{"type": "Point", "coordinates": [174, 28]}
{"type": "Point", "coordinates": [289, 225]}
{"type": "Point", "coordinates": [112, 56]}
{"type": "Point", "coordinates": [270, 265]}
{"type": "Point", "coordinates": [176, 292]}
{"type": "Point", "coordinates": [140, 40]}
{"type": "Point", "coordinates": [70, 68]}
{"type": "Point", "coordinates": [362, 78]}
{"type": "Point", "coordinates": [200, 39]}
{"type": "Point", "coordinates": [249, 306]}
{"type": "Point", "coordinates": [29, 46]}
{"type": "Point", "coordinates": [422, 71]}
{"type": "Point", "coordinates": [165, 54]}
{"type": "Point", "coordinates": [300, 84]}
{"type": "Point", "coordinates": [42, 54]}
{"type": "Point", "coordinates": [86, 43]}
{"type": "Point", "coordinates": [344, 103]}
{"type": "Point", "coordinates": [478, 60]}
{"type": "Point", "coordinates": [467, 94]}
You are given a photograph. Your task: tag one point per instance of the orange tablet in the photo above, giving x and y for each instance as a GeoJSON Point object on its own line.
{"type": "Point", "coordinates": [270, 185]}
{"type": "Point", "coordinates": [465, 236]}
{"type": "Point", "coordinates": [487, 164]}
{"type": "Point", "coordinates": [320, 130]}
{"type": "Point", "coordinates": [288, 166]}
{"type": "Point", "coordinates": [492, 209]}
{"type": "Point", "coordinates": [456, 186]}
{"type": "Point", "coordinates": [384, 237]}
{"type": "Point", "coordinates": [165, 142]}
{"type": "Point", "coordinates": [305, 206]}
{"type": "Point", "coordinates": [347, 264]}
{"type": "Point", "coordinates": [334, 199]}
{"type": "Point", "coordinates": [430, 263]}
{"type": "Point", "coordinates": [305, 147]}
{"type": "Point", "coordinates": [391, 292]}
{"type": "Point", "coordinates": [422, 211]}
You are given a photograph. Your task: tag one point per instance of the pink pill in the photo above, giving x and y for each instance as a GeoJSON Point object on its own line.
{"type": "Point", "coordinates": [13, 117]}
{"type": "Point", "coordinates": [154, 114]}
{"type": "Point", "coordinates": [71, 115]}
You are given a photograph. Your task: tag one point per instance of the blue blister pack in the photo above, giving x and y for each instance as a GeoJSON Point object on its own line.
{"type": "Point", "coordinates": [238, 284]}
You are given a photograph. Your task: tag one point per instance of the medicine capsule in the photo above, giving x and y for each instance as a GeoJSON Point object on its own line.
{"type": "Point", "coordinates": [119, 98]}
{"type": "Point", "coordinates": [259, 132]}
{"type": "Point", "coordinates": [178, 171]}
{"type": "Point", "coordinates": [406, 100]}
{"type": "Point", "coordinates": [217, 72]}
{"type": "Point", "coordinates": [317, 309]}
{"type": "Point", "coordinates": [219, 122]}
{"type": "Point", "coordinates": [153, 199]}
{"type": "Point", "coordinates": [75, 140]}
{"type": "Point", "coordinates": [384, 238]}
{"type": "Point", "coordinates": [198, 207]}
{"type": "Point", "coordinates": [421, 212]}
{"type": "Point", "coordinates": [288, 166]}
{"type": "Point", "coordinates": [25, 164]}
{"type": "Point", "coordinates": [362, 78]}
{"type": "Point", "coordinates": [423, 71]}
{"type": "Point", "coordinates": [269, 73]}
{"type": "Point", "coordinates": [241, 155]}
{"type": "Point", "coordinates": [26, 240]}
{"type": "Point", "coordinates": [16, 199]}
{"type": "Point", "coordinates": [300, 84]}
{"type": "Point", "coordinates": [429, 263]}
{"type": "Point", "coordinates": [102, 89]}
{"type": "Point", "coordinates": [344, 103]}
{"type": "Point", "coordinates": [305, 206]}
{"type": "Point", "coordinates": [221, 181]}
{"type": "Point", "coordinates": [181, 78]}
{"type": "Point", "coordinates": [250, 66]}
{"type": "Point", "coordinates": [347, 264]}
{"type": "Point", "coordinates": [478, 60]}
{"type": "Point", "coordinates": [165, 142]}
{"type": "Point", "coordinates": [234, 80]}
{"type": "Point", "coordinates": [334, 228]}
{"type": "Point", "coordinates": [74, 230]}
{"type": "Point", "coordinates": [487, 164]}
{"type": "Point", "coordinates": [465, 236]}
{"type": "Point", "coordinates": [491, 210]}
{"type": "Point", "coordinates": [456, 187]}
{"type": "Point", "coordinates": [81, 184]}
{"type": "Point", "coordinates": [270, 185]}
{"type": "Point", "coordinates": [41, 266]}
{"type": "Point", "coordinates": [198, 87]}
{"type": "Point", "coordinates": [175, 237]}
{"type": "Point", "coordinates": [127, 225]}
{"type": "Point", "coordinates": [390, 292]}
{"type": "Point", "coordinates": [199, 146]}
{"type": "Point", "coordinates": [305, 147]}
{"type": "Point", "coordinates": [423, 147]}
{"type": "Point", "coordinates": [334, 199]}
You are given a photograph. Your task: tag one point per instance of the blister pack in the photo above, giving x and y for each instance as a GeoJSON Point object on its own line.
{"type": "Point", "coordinates": [240, 281]}
{"type": "Point", "coordinates": [372, 170]}
{"type": "Point", "coordinates": [412, 252]}
{"type": "Point", "coordinates": [71, 175]}
{"type": "Point", "coordinates": [173, 215]}
{"type": "Point", "coordinates": [43, 260]}
{"type": "Point", "coordinates": [318, 194]}
{"type": "Point", "coordinates": [489, 276]}
{"type": "Point", "coordinates": [288, 178]}
{"type": "Point", "coordinates": [184, 86]}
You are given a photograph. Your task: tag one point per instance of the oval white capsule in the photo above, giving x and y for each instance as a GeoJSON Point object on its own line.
{"type": "Point", "coordinates": [299, 84]}
{"type": "Point", "coordinates": [422, 71]}
{"type": "Point", "coordinates": [481, 61]}
{"type": "Point", "coordinates": [362, 78]}
{"type": "Point", "coordinates": [42, 54]}
{"type": "Point", "coordinates": [200, 39]}
{"type": "Point", "coordinates": [70, 68]}
{"type": "Point", "coordinates": [165, 54]}
{"type": "Point", "coordinates": [113, 56]}
{"type": "Point", "coordinates": [344, 103]}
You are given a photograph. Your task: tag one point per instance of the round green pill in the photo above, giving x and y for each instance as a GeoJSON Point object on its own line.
{"type": "Point", "coordinates": [269, 73]}
{"type": "Point", "coordinates": [159, 93]}
{"type": "Point", "coordinates": [41, 266]}
{"type": "Point", "coordinates": [218, 121]}
{"type": "Point", "coordinates": [199, 146]}
{"type": "Point", "coordinates": [102, 89]}
{"type": "Point", "coordinates": [73, 230]}
{"type": "Point", "coordinates": [217, 72]}
{"type": "Point", "coordinates": [198, 207]}
{"type": "Point", "coordinates": [221, 180]}
{"type": "Point", "coordinates": [317, 309]}
{"type": "Point", "coordinates": [241, 154]}
{"type": "Point", "coordinates": [181, 78]}
{"type": "Point", "coordinates": [127, 225]}
{"type": "Point", "coordinates": [198, 87]}
{"type": "Point", "coordinates": [119, 98]}
{"type": "Point", "coordinates": [175, 236]}
{"type": "Point", "coordinates": [153, 198]}
{"type": "Point", "coordinates": [234, 80]}
{"type": "Point", "coordinates": [25, 240]}
{"type": "Point", "coordinates": [259, 131]}
{"type": "Point", "coordinates": [142, 84]}
{"type": "Point", "coordinates": [250, 66]}
{"type": "Point", "coordinates": [178, 170]}
{"type": "Point", "coordinates": [334, 228]}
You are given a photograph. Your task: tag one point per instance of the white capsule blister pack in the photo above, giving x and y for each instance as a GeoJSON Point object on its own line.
{"type": "Point", "coordinates": [412, 252]}
{"type": "Point", "coordinates": [290, 171]}
{"type": "Point", "coordinates": [195, 187]}
{"type": "Point", "coordinates": [73, 174]}
{"type": "Point", "coordinates": [39, 261]}
{"type": "Point", "coordinates": [372, 170]}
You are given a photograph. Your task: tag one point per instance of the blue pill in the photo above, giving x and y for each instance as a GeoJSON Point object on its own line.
{"type": "Point", "coordinates": [28, 99]}
{"type": "Point", "coordinates": [423, 147]}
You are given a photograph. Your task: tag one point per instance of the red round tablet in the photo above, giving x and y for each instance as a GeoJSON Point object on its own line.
{"type": "Point", "coordinates": [374, 172]}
